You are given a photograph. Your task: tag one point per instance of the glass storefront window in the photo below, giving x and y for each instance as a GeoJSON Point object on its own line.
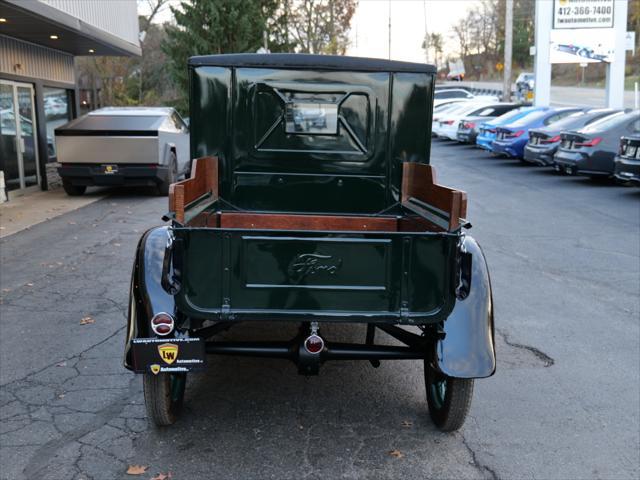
{"type": "Point", "coordinates": [57, 111]}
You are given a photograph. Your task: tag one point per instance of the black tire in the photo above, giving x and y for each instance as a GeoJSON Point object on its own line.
{"type": "Point", "coordinates": [603, 179]}
{"type": "Point", "coordinates": [73, 190]}
{"type": "Point", "coordinates": [449, 398]}
{"type": "Point", "coordinates": [163, 396]}
{"type": "Point", "coordinates": [172, 176]}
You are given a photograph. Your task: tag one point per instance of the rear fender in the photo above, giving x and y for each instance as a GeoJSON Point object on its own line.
{"type": "Point", "coordinates": [468, 347]}
{"type": "Point", "coordinates": [147, 297]}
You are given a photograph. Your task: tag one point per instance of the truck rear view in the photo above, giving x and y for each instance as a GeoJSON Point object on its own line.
{"type": "Point", "coordinates": [311, 200]}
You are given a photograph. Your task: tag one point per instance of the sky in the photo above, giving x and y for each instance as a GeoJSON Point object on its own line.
{"type": "Point", "coordinates": [370, 26]}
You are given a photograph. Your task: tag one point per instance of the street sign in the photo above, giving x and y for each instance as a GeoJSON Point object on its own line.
{"type": "Point", "coordinates": [570, 14]}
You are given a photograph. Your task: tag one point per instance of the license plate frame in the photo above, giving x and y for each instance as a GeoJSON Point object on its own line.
{"type": "Point", "coordinates": [168, 355]}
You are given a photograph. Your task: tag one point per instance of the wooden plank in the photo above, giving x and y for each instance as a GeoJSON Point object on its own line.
{"type": "Point", "coordinates": [306, 222]}
{"type": "Point", "coordinates": [204, 179]}
{"type": "Point", "coordinates": [419, 182]}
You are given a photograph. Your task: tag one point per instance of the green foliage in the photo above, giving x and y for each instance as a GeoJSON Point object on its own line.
{"type": "Point", "coordinates": [212, 26]}
{"type": "Point", "coordinates": [322, 26]}
{"type": "Point", "coordinates": [205, 27]}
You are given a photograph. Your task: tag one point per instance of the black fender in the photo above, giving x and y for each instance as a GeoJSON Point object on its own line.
{"type": "Point", "coordinates": [147, 297]}
{"type": "Point", "coordinates": [468, 347]}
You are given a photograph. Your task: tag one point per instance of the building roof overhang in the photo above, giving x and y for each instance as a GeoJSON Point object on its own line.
{"type": "Point", "coordinates": [35, 22]}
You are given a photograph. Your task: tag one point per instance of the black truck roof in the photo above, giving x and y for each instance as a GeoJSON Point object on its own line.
{"type": "Point", "coordinates": [303, 61]}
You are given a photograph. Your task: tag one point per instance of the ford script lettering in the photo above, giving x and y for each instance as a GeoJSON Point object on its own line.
{"type": "Point", "coordinates": [311, 263]}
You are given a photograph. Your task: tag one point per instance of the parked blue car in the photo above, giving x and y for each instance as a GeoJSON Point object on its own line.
{"type": "Point", "coordinates": [513, 137]}
{"type": "Point", "coordinates": [487, 130]}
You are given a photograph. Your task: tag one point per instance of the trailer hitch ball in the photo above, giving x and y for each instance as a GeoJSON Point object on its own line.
{"type": "Point", "coordinates": [314, 344]}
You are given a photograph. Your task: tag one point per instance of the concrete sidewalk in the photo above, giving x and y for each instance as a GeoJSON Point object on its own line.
{"type": "Point", "coordinates": [24, 211]}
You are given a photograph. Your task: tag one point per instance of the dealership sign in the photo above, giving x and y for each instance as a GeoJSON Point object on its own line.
{"type": "Point", "coordinates": [569, 14]}
{"type": "Point", "coordinates": [582, 46]}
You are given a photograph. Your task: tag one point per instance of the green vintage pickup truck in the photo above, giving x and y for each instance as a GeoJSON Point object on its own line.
{"type": "Point", "coordinates": [311, 200]}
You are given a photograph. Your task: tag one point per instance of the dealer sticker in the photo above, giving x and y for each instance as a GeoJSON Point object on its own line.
{"type": "Point", "coordinates": [159, 355]}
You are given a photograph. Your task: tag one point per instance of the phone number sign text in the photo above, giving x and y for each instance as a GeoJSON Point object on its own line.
{"type": "Point", "coordinates": [583, 14]}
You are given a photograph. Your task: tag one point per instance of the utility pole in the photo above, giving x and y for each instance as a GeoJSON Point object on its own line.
{"type": "Point", "coordinates": [508, 51]}
{"type": "Point", "coordinates": [389, 29]}
{"type": "Point", "coordinates": [426, 32]}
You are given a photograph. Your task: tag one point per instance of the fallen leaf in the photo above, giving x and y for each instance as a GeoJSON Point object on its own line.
{"type": "Point", "coordinates": [87, 320]}
{"type": "Point", "coordinates": [162, 476]}
{"type": "Point", "coordinates": [396, 453]}
{"type": "Point", "coordinates": [6, 290]}
{"type": "Point", "coordinates": [61, 364]}
{"type": "Point", "coordinates": [136, 469]}
{"type": "Point", "coordinates": [406, 424]}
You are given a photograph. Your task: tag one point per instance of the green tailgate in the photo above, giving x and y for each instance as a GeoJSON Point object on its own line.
{"type": "Point", "coordinates": [243, 274]}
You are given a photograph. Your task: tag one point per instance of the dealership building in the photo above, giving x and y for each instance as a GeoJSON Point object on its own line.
{"type": "Point", "coordinates": [39, 40]}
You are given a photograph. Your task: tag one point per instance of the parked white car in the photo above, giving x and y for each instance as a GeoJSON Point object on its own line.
{"type": "Point", "coordinates": [447, 124]}
{"type": "Point", "coordinates": [445, 95]}
{"type": "Point", "coordinates": [444, 110]}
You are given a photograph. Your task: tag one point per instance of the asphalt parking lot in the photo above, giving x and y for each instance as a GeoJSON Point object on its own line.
{"type": "Point", "coordinates": [564, 254]}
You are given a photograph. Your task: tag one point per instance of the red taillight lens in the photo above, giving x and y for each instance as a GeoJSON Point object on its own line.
{"type": "Point", "coordinates": [469, 125]}
{"type": "Point", "coordinates": [492, 130]}
{"type": "Point", "coordinates": [517, 134]}
{"type": "Point", "coordinates": [314, 344]}
{"type": "Point", "coordinates": [591, 143]}
{"type": "Point", "coordinates": [448, 122]}
{"type": "Point", "coordinates": [552, 139]}
{"type": "Point", "coordinates": [162, 324]}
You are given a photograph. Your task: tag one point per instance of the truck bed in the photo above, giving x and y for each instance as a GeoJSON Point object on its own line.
{"type": "Point", "coordinates": [254, 266]}
{"type": "Point", "coordinates": [396, 267]}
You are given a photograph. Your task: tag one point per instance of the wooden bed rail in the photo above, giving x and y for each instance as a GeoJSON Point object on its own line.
{"type": "Point", "coordinates": [443, 206]}
{"type": "Point", "coordinates": [204, 180]}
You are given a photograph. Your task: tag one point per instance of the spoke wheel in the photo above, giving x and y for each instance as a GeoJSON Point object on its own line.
{"type": "Point", "coordinates": [449, 398]}
{"type": "Point", "coordinates": [163, 396]}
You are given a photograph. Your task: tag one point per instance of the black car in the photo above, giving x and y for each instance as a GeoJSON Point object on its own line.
{"type": "Point", "coordinates": [591, 150]}
{"type": "Point", "coordinates": [627, 162]}
{"type": "Point", "coordinates": [544, 141]}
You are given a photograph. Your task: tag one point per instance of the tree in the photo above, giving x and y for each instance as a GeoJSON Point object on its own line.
{"type": "Point", "coordinates": [322, 26]}
{"type": "Point", "coordinates": [436, 45]}
{"type": "Point", "coordinates": [462, 31]}
{"type": "Point", "coordinates": [210, 27]}
{"type": "Point", "coordinates": [130, 80]}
